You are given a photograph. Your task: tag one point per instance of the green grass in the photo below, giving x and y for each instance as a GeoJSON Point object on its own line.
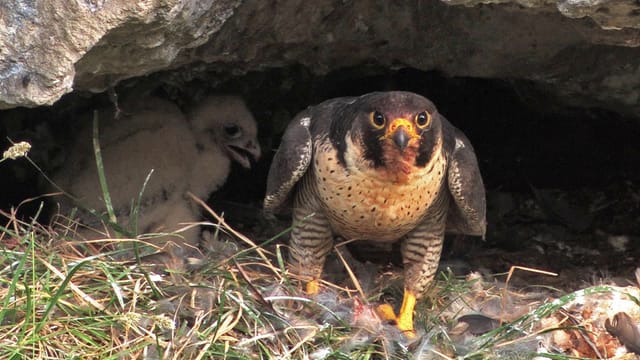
{"type": "Point", "coordinates": [59, 301]}
{"type": "Point", "coordinates": [62, 298]}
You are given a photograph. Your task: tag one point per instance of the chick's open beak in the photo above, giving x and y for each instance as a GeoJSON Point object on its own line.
{"type": "Point", "coordinates": [245, 154]}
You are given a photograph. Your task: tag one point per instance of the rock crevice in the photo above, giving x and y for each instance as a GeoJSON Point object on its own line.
{"type": "Point", "coordinates": [582, 50]}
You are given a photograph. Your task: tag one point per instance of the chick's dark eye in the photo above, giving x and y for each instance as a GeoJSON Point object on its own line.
{"type": "Point", "coordinates": [232, 131]}
{"type": "Point", "coordinates": [377, 119]}
{"type": "Point", "coordinates": [423, 119]}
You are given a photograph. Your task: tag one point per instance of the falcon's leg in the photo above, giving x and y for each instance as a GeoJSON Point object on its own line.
{"type": "Point", "coordinates": [311, 241]}
{"type": "Point", "coordinates": [421, 254]}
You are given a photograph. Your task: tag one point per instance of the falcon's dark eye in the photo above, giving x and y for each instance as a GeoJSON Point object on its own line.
{"type": "Point", "coordinates": [232, 131]}
{"type": "Point", "coordinates": [377, 119]}
{"type": "Point", "coordinates": [423, 119]}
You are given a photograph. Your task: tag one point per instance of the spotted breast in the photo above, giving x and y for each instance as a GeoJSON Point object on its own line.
{"type": "Point", "coordinates": [361, 203]}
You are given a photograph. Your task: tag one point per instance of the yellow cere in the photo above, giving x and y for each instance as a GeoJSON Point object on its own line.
{"type": "Point", "coordinates": [395, 124]}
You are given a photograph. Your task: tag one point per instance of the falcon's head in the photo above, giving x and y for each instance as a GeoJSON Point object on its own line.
{"type": "Point", "coordinates": [393, 132]}
{"type": "Point", "coordinates": [225, 121]}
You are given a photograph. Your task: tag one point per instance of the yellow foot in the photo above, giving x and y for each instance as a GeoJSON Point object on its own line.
{"type": "Point", "coordinates": [404, 320]}
{"type": "Point", "coordinates": [313, 287]}
{"type": "Point", "coordinates": [385, 311]}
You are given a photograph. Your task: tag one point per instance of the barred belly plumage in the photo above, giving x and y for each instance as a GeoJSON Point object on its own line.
{"type": "Point", "coordinates": [361, 205]}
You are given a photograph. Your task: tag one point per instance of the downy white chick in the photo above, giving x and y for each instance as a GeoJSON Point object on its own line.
{"type": "Point", "coordinates": [224, 131]}
{"type": "Point", "coordinates": [187, 153]}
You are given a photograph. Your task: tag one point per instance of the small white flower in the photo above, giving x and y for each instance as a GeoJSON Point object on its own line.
{"type": "Point", "coordinates": [131, 319]}
{"type": "Point", "coordinates": [164, 322]}
{"type": "Point", "coordinates": [17, 150]}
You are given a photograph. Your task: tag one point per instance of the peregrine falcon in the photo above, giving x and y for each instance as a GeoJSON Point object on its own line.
{"type": "Point", "coordinates": [187, 152]}
{"type": "Point", "coordinates": [382, 167]}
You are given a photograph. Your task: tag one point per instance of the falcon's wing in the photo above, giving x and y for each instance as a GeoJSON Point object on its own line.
{"type": "Point", "coordinates": [290, 162]}
{"type": "Point", "coordinates": [468, 213]}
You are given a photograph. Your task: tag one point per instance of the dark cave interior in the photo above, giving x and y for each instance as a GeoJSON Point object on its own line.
{"type": "Point", "coordinates": [548, 168]}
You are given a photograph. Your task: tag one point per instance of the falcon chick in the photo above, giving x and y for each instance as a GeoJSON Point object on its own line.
{"type": "Point", "coordinates": [186, 153]}
{"type": "Point", "coordinates": [381, 167]}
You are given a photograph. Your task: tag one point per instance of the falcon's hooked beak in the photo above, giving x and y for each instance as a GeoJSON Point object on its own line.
{"type": "Point", "coordinates": [244, 154]}
{"type": "Point", "coordinates": [401, 131]}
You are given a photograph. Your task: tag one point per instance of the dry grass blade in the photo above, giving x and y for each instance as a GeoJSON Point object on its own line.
{"type": "Point", "coordinates": [301, 343]}
{"type": "Point", "coordinates": [252, 287]}
{"type": "Point", "coordinates": [84, 296]}
{"type": "Point", "coordinates": [222, 222]}
{"type": "Point", "coordinates": [229, 321]}
{"type": "Point", "coordinates": [512, 269]}
{"type": "Point", "coordinates": [352, 275]}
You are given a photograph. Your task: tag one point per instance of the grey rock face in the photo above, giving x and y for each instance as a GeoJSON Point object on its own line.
{"type": "Point", "coordinates": [609, 14]}
{"type": "Point", "coordinates": [48, 48]}
{"type": "Point", "coordinates": [583, 50]}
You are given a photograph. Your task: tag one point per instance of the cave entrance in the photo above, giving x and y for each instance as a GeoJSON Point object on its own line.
{"type": "Point", "coordinates": [563, 185]}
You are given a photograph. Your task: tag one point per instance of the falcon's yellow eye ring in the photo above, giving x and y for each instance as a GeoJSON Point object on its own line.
{"type": "Point", "coordinates": [423, 119]}
{"type": "Point", "coordinates": [377, 120]}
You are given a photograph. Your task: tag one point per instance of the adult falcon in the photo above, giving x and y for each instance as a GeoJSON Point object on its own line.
{"type": "Point", "coordinates": [383, 167]}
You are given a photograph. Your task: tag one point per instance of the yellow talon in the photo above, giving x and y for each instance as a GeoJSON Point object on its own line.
{"type": "Point", "coordinates": [405, 317]}
{"type": "Point", "coordinates": [404, 320]}
{"type": "Point", "coordinates": [313, 287]}
{"type": "Point", "coordinates": [385, 311]}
